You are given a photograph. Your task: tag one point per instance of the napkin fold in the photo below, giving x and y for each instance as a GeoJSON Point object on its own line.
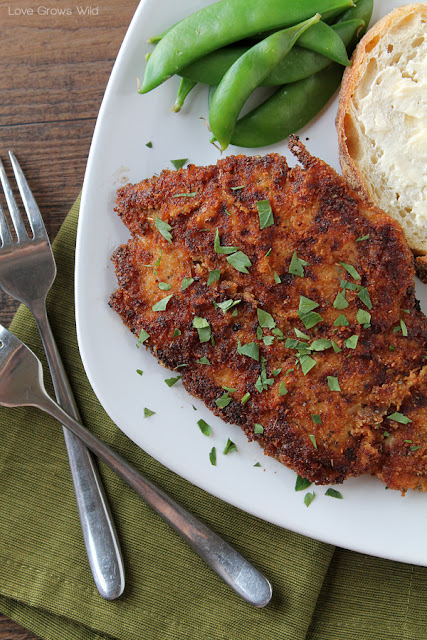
{"type": "Point", "coordinates": [320, 593]}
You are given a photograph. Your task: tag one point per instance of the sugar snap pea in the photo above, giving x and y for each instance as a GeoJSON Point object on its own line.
{"type": "Point", "coordinates": [297, 64]}
{"type": "Point", "coordinates": [222, 23]}
{"type": "Point", "coordinates": [362, 11]}
{"type": "Point", "coordinates": [185, 86]}
{"type": "Point", "coordinates": [246, 74]}
{"type": "Point", "coordinates": [324, 40]}
{"type": "Point", "coordinates": [287, 110]}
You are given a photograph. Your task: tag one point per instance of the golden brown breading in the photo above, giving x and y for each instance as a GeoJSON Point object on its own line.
{"type": "Point", "coordinates": [322, 399]}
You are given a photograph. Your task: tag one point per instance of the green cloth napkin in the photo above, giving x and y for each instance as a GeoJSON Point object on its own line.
{"type": "Point", "coordinates": [320, 593]}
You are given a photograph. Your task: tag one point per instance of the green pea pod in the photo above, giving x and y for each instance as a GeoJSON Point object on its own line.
{"type": "Point", "coordinates": [184, 89]}
{"type": "Point", "coordinates": [362, 11]}
{"type": "Point", "coordinates": [222, 23]}
{"type": "Point", "coordinates": [287, 110]}
{"type": "Point", "coordinates": [324, 40]}
{"type": "Point", "coordinates": [297, 64]}
{"type": "Point", "coordinates": [245, 75]}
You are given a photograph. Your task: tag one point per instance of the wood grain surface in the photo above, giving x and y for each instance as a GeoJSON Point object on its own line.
{"type": "Point", "coordinates": [55, 65]}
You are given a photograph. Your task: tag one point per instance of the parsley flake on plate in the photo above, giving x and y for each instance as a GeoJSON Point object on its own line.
{"type": "Point", "coordinates": [351, 342]}
{"type": "Point", "coordinates": [245, 398]}
{"type": "Point", "coordinates": [363, 317]}
{"type": "Point", "coordinates": [165, 286]}
{"type": "Point", "coordinates": [351, 270]}
{"type": "Point", "coordinates": [313, 440]}
{"type": "Point", "coordinates": [223, 250]}
{"type": "Point", "coordinates": [308, 498]}
{"type": "Point", "coordinates": [341, 321]}
{"type": "Point", "coordinates": [333, 384]}
{"type": "Point", "coordinates": [316, 418]}
{"type": "Point", "coordinates": [258, 428]}
{"type": "Point", "coordinates": [178, 164]}
{"type": "Point", "coordinates": [282, 389]}
{"type": "Point", "coordinates": [227, 304]}
{"type": "Point", "coordinates": [171, 381]}
{"type": "Point", "coordinates": [212, 456]}
{"type": "Point", "coordinates": [340, 301]}
{"type": "Point", "coordinates": [230, 446]}
{"type": "Point", "coordinates": [223, 401]}
{"type": "Point", "coordinates": [333, 493]}
{"type": "Point", "coordinates": [203, 360]}
{"type": "Point", "coordinates": [186, 283]}
{"type": "Point", "coordinates": [204, 427]}
{"type": "Point", "coordinates": [365, 298]}
{"type": "Point", "coordinates": [302, 483]}
{"type": "Point", "coordinates": [148, 413]}
{"type": "Point", "coordinates": [213, 276]}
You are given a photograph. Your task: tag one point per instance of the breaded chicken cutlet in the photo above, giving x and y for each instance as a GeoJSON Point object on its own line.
{"type": "Point", "coordinates": [287, 304]}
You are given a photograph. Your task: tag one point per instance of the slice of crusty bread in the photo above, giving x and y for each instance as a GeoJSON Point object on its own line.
{"type": "Point", "coordinates": [382, 121]}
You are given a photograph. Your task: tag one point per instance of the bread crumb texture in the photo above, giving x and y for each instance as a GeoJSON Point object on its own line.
{"type": "Point", "coordinates": [385, 125]}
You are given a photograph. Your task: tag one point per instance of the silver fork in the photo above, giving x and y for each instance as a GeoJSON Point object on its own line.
{"type": "Point", "coordinates": [27, 271]}
{"type": "Point", "coordinates": [21, 384]}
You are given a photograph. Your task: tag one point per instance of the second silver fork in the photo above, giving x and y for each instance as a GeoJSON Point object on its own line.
{"type": "Point", "coordinates": [27, 271]}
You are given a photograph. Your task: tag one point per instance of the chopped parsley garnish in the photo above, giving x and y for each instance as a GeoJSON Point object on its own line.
{"type": "Point", "coordinates": [149, 145]}
{"type": "Point", "coordinates": [282, 389]}
{"type": "Point", "coordinates": [307, 363]}
{"type": "Point", "coordinates": [237, 188]}
{"type": "Point", "coordinates": [203, 328]}
{"type": "Point", "coordinates": [363, 317]}
{"type": "Point", "coordinates": [351, 342]}
{"type": "Point", "coordinates": [321, 344]}
{"type": "Point", "coordinates": [265, 214]}
{"type": "Point", "coordinates": [139, 372]}
{"type": "Point", "coordinates": [157, 263]}
{"type": "Point", "coordinates": [179, 163]}
{"type": "Point", "coordinates": [251, 350]}
{"type": "Point", "coordinates": [340, 301]}
{"type": "Point", "coordinates": [345, 284]}
{"type": "Point", "coordinates": [203, 360]}
{"type": "Point", "coordinates": [245, 398]}
{"type": "Point", "coordinates": [404, 328]}
{"type": "Point", "coordinates": [296, 267]}
{"type": "Point", "coordinates": [308, 317]}
{"type": "Point", "coordinates": [257, 464]}
{"type": "Point", "coordinates": [302, 483]}
{"type": "Point", "coordinates": [333, 494]}
{"type": "Point", "coordinates": [263, 382]}
{"type": "Point", "coordinates": [165, 286]}
{"type": "Point", "coordinates": [143, 336]}
{"type": "Point", "coordinates": [364, 297]}
{"type": "Point", "coordinates": [414, 448]}
{"type": "Point", "coordinates": [265, 319]}
{"type": "Point", "coordinates": [277, 332]}
{"type": "Point", "coordinates": [363, 238]}
{"type": "Point", "coordinates": [230, 446]}
{"type": "Point", "coordinates": [316, 418]}
{"type": "Point", "coordinates": [276, 372]}
{"type": "Point", "coordinates": [239, 261]}
{"type": "Point", "coordinates": [213, 276]}
{"type": "Point", "coordinates": [164, 228]}
{"type": "Point", "coordinates": [162, 304]}
{"type": "Point", "coordinates": [333, 384]}
{"type": "Point", "coordinates": [313, 440]}
{"type": "Point", "coordinates": [148, 413]}
{"type": "Point", "coordinates": [171, 381]}
{"type": "Point", "coordinates": [335, 347]}
{"type": "Point", "coordinates": [258, 428]}
{"type": "Point", "coordinates": [268, 340]}
{"type": "Point", "coordinates": [212, 456]}
{"type": "Point", "coordinates": [186, 283]}
{"type": "Point", "coordinates": [399, 417]}
{"type": "Point", "coordinates": [227, 212]}
{"type": "Point", "coordinates": [223, 401]}
{"type": "Point", "coordinates": [351, 270]}
{"type": "Point", "coordinates": [259, 333]}
{"type": "Point", "coordinates": [229, 389]}
{"type": "Point", "coordinates": [223, 250]}
{"type": "Point", "coordinates": [277, 278]}
{"type": "Point", "coordinates": [300, 334]}
{"type": "Point", "coordinates": [308, 498]}
{"type": "Point", "coordinates": [177, 332]}
{"type": "Point", "coordinates": [268, 252]}
{"type": "Point", "coordinates": [341, 321]}
{"type": "Point", "coordinates": [185, 195]}
{"type": "Point", "coordinates": [204, 427]}
{"type": "Point", "coordinates": [227, 304]}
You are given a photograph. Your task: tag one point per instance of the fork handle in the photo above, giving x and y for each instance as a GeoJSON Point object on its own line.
{"type": "Point", "coordinates": [99, 533]}
{"type": "Point", "coordinates": [230, 565]}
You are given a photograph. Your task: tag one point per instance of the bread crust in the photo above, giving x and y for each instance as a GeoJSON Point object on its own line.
{"type": "Point", "coordinates": [347, 111]}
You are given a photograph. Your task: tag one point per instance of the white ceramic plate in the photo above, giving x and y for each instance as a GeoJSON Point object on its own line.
{"type": "Point", "coordinates": [368, 519]}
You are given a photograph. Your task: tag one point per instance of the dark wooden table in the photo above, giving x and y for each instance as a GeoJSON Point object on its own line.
{"type": "Point", "coordinates": [54, 69]}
